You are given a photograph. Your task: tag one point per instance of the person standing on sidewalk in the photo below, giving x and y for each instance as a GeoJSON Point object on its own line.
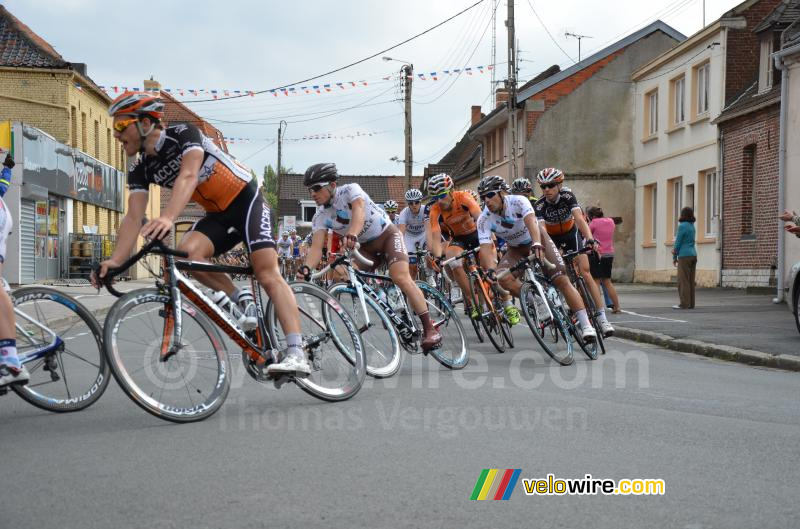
{"type": "Point", "coordinates": [603, 232]}
{"type": "Point", "coordinates": [793, 219]}
{"type": "Point", "coordinates": [684, 256]}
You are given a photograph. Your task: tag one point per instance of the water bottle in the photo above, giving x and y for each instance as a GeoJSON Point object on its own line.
{"type": "Point", "coordinates": [224, 302]}
{"type": "Point", "coordinates": [541, 308]}
{"type": "Point", "coordinates": [394, 298]}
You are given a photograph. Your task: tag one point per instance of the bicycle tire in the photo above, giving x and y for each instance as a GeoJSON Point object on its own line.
{"type": "Point", "coordinates": [218, 367]}
{"type": "Point", "coordinates": [488, 316]}
{"type": "Point", "coordinates": [476, 324]}
{"type": "Point", "coordinates": [532, 319]}
{"type": "Point", "coordinates": [79, 333]}
{"type": "Point", "coordinates": [318, 327]}
{"type": "Point", "coordinates": [374, 347]}
{"type": "Point", "coordinates": [452, 353]}
{"type": "Point", "coordinates": [589, 348]}
{"type": "Point", "coordinates": [505, 325]}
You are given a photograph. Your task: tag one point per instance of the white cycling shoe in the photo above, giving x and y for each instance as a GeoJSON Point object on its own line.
{"type": "Point", "coordinates": [291, 365]}
{"type": "Point", "coordinates": [588, 334]}
{"type": "Point", "coordinates": [606, 329]}
{"type": "Point", "coordinates": [11, 376]}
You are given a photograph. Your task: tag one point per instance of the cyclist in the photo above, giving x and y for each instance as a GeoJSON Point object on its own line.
{"type": "Point", "coordinates": [457, 211]}
{"type": "Point", "coordinates": [349, 211]}
{"type": "Point", "coordinates": [12, 372]}
{"type": "Point", "coordinates": [512, 218]}
{"type": "Point", "coordinates": [411, 222]}
{"type": "Point", "coordinates": [565, 223]}
{"type": "Point", "coordinates": [285, 250]}
{"type": "Point", "coordinates": [390, 206]}
{"type": "Point", "coordinates": [181, 158]}
{"type": "Point", "coordinates": [523, 187]}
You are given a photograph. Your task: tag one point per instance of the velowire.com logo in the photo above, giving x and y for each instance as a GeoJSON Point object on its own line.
{"type": "Point", "coordinates": [496, 484]}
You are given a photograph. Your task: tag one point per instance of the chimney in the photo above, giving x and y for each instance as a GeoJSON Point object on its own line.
{"type": "Point", "coordinates": [150, 84]}
{"type": "Point", "coordinates": [501, 97]}
{"type": "Point", "coordinates": [476, 114]}
{"type": "Point", "coordinates": [79, 67]}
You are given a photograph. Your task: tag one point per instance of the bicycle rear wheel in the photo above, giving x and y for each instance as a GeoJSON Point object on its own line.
{"type": "Point", "coordinates": [61, 344]}
{"type": "Point", "coordinates": [505, 325]}
{"type": "Point", "coordinates": [189, 385]}
{"type": "Point", "coordinates": [381, 344]}
{"type": "Point", "coordinates": [590, 349]}
{"type": "Point", "coordinates": [488, 315]}
{"type": "Point", "coordinates": [333, 343]}
{"type": "Point", "coordinates": [453, 352]}
{"type": "Point", "coordinates": [561, 351]}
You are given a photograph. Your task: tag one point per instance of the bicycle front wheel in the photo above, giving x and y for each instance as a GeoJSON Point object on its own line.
{"type": "Point", "coordinates": [381, 344]}
{"type": "Point", "coordinates": [61, 344]}
{"type": "Point", "coordinates": [488, 315]}
{"type": "Point", "coordinates": [183, 382]}
{"type": "Point", "coordinates": [333, 344]}
{"type": "Point", "coordinates": [561, 351]}
{"type": "Point", "coordinates": [453, 352]}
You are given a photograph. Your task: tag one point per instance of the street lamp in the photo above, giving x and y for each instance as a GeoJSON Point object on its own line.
{"type": "Point", "coordinates": [407, 72]}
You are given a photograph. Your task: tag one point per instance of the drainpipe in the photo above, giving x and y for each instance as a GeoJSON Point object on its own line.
{"type": "Point", "coordinates": [720, 188]}
{"type": "Point", "coordinates": [779, 297]}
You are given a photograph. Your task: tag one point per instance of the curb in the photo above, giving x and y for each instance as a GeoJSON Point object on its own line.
{"type": "Point", "coordinates": [721, 352]}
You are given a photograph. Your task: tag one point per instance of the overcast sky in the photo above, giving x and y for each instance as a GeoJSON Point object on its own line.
{"type": "Point", "coordinates": [255, 45]}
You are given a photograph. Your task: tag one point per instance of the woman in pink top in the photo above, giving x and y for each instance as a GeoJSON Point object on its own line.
{"type": "Point", "coordinates": [603, 232]}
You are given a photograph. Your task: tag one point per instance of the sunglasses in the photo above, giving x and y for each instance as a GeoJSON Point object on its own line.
{"type": "Point", "coordinates": [490, 194]}
{"type": "Point", "coordinates": [440, 196]}
{"type": "Point", "coordinates": [414, 203]}
{"type": "Point", "coordinates": [317, 187]}
{"type": "Point", "coordinates": [547, 186]}
{"type": "Point", "coordinates": [123, 124]}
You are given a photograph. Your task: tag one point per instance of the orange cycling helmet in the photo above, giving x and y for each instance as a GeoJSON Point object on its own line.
{"type": "Point", "coordinates": [138, 104]}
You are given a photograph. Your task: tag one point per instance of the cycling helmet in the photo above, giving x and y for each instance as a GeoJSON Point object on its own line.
{"type": "Point", "coordinates": [521, 186]}
{"type": "Point", "coordinates": [137, 104]}
{"type": "Point", "coordinates": [285, 234]}
{"type": "Point", "coordinates": [390, 206]}
{"type": "Point", "coordinates": [491, 183]}
{"type": "Point", "coordinates": [321, 173]}
{"type": "Point", "coordinates": [413, 195]}
{"type": "Point", "coordinates": [550, 175]}
{"type": "Point", "coordinates": [441, 183]}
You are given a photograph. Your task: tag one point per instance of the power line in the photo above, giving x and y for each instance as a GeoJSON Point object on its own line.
{"type": "Point", "coordinates": [548, 32]}
{"type": "Point", "coordinates": [365, 59]}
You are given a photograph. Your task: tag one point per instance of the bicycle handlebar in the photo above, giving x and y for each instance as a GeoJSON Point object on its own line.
{"type": "Point", "coordinates": [154, 246]}
{"type": "Point", "coordinates": [339, 260]}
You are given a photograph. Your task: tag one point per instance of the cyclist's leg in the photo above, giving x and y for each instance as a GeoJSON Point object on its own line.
{"type": "Point", "coordinates": [11, 370]}
{"type": "Point", "coordinates": [199, 243]}
{"type": "Point", "coordinates": [511, 282]}
{"type": "Point", "coordinates": [457, 271]}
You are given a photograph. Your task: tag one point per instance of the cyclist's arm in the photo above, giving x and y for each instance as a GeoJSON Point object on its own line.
{"type": "Point", "coordinates": [533, 227]}
{"type": "Point", "coordinates": [583, 227]}
{"type": "Point", "coordinates": [5, 181]}
{"type": "Point", "coordinates": [129, 226]}
{"type": "Point", "coordinates": [434, 233]}
{"type": "Point", "coordinates": [185, 184]}
{"type": "Point", "coordinates": [488, 252]}
{"type": "Point", "coordinates": [314, 254]}
{"type": "Point", "coordinates": [357, 219]}
{"type": "Point", "coordinates": [402, 228]}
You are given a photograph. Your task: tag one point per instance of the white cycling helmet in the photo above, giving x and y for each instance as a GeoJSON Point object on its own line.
{"type": "Point", "coordinates": [550, 175]}
{"type": "Point", "coordinates": [440, 183]}
{"type": "Point", "coordinates": [413, 195]}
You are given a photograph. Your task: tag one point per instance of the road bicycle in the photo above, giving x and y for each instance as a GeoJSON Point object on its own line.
{"type": "Point", "coordinates": [544, 309]}
{"type": "Point", "coordinates": [592, 348]}
{"type": "Point", "coordinates": [61, 344]}
{"type": "Point", "coordinates": [166, 353]}
{"type": "Point", "coordinates": [386, 322]}
{"type": "Point", "coordinates": [485, 296]}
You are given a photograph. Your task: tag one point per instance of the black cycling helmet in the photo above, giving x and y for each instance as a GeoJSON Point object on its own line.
{"type": "Point", "coordinates": [321, 173]}
{"type": "Point", "coordinates": [491, 183]}
{"type": "Point", "coordinates": [521, 185]}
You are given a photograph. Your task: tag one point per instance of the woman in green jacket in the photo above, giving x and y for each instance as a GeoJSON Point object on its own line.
{"type": "Point", "coordinates": [684, 256]}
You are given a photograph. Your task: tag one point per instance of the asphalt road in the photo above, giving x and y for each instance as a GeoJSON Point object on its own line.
{"type": "Point", "coordinates": [408, 451]}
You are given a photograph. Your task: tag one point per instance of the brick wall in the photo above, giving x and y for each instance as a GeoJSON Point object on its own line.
{"type": "Point", "coordinates": [38, 99]}
{"type": "Point", "coordinates": [741, 61]}
{"type": "Point", "coordinates": [749, 225]}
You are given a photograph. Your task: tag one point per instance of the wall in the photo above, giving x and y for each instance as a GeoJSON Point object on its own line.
{"type": "Point", "coordinates": [749, 259]}
{"type": "Point", "coordinates": [792, 169]}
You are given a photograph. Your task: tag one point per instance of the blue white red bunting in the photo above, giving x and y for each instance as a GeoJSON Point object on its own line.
{"type": "Point", "coordinates": [311, 137]}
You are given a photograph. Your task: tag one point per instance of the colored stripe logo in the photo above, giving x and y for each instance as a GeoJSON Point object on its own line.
{"type": "Point", "coordinates": [496, 484]}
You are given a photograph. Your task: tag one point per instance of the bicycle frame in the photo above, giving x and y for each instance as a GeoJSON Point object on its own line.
{"type": "Point", "coordinates": [54, 343]}
{"type": "Point", "coordinates": [406, 328]}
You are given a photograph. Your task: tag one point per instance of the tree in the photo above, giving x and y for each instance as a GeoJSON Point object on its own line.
{"type": "Point", "coordinates": [269, 185]}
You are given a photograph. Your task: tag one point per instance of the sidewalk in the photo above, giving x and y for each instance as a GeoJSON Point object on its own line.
{"type": "Point", "coordinates": [726, 323]}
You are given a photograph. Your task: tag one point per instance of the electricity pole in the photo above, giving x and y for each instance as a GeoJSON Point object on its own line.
{"type": "Point", "coordinates": [408, 79]}
{"type": "Point", "coordinates": [511, 104]}
{"type": "Point", "coordinates": [281, 129]}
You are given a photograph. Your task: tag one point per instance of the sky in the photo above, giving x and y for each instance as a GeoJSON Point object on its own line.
{"type": "Point", "coordinates": [260, 45]}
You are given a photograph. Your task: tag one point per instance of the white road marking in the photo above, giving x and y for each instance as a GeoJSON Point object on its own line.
{"type": "Point", "coordinates": [652, 317]}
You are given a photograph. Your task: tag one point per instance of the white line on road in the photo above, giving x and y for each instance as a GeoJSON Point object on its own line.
{"type": "Point", "coordinates": [653, 317]}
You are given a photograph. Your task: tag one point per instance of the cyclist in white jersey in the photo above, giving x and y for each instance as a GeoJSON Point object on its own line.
{"type": "Point", "coordinates": [411, 222]}
{"type": "Point", "coordinates": [350, 212]}
{"type": "Point", "coordinates": [512, 218]}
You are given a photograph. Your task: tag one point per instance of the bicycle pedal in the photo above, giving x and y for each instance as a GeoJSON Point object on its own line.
{"type": "Point", "coordinates": [282, 381]}
{"type": "Point", "coordinates": [3, 390]}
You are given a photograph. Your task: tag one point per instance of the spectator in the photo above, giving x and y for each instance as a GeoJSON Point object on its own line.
{"type": "Point", "coordinates": [684, 256]}
{"type": "Point", "coordinates": [793, 220]}
{"type": "Point", "coordinates": [603, 232]}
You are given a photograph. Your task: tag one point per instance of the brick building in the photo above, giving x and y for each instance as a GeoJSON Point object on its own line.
{"type": "Point", "coordinates": [69, 177]}
{"type": "Point", "coordinates": [749, 131]}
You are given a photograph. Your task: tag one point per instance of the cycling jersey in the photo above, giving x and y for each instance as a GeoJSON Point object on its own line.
{"type": "Point", "coordinates": [336, 216]}
{"type": "Point", "coordinates": [558, 217]}
{"type": "Point", "coordinates": [458, 219]}
{"type": "Point", "coordinates": [414, 223]}
{"type": "Point", "coordinates": [295, 245]}
{"type": "Point", "coordinates": [5, 215]}
{"type": "Point", "coordinates": [284, 246]}
{"type": "Point", "coordinates": [220, 178]}
{"type": "Point", "coordinates": [510, 225]}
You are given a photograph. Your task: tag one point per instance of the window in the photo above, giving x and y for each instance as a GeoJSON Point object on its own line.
{"type": "Point", "coordinates": [675, 204]}
{"type": "Point", "coordinates": [678, 100]}
{"type": "Point", "coordinates": [97, 139]}
{"type": "Point", "coordinates": [108, 147]}
{"type": "Point", "coordinates": [748, 180]}
{"type": "Point", "coordinates": [73, 114]}
{"type": "Point", "coordinates": [765, 64]}
{"type": "Point", "coordinates": [501, 142]}
{"type": "Point", "coordinates": [651, 113]}
{"type": "Point", "coordinates": [309, 208]}
{"type": "Point", "coordinates": [702, 84]}
{"type": "Point", "coordinates": [711, 203]}
{"type": "Point", "coordinates": [650, 217]}
{"type": "Point", "coordinates": [83, 131]}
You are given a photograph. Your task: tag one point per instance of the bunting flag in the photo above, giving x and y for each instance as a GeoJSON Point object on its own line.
{"type": "Point", "coordinates": [216, 93]}
{"type": "Point", "coordinates": [311, 137]}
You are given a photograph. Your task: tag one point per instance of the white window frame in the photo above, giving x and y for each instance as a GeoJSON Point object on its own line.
{"type": "Point", "coordinates": [677, 201]}
{"type": "Point", "coordinates": [307, 204]}
{"type": "Point", "coordinates": [679, 89]}
{"type": "Point", "coordinates": [654, 213]}
{"type": "Point", "coordinates": [711, 203]}
{"type": "Point", "coordinates": [653, 110]}
{"type": "Point", "coordinates": [703, 87]}
{"type": "Point", "coordinates": [765, 64]}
